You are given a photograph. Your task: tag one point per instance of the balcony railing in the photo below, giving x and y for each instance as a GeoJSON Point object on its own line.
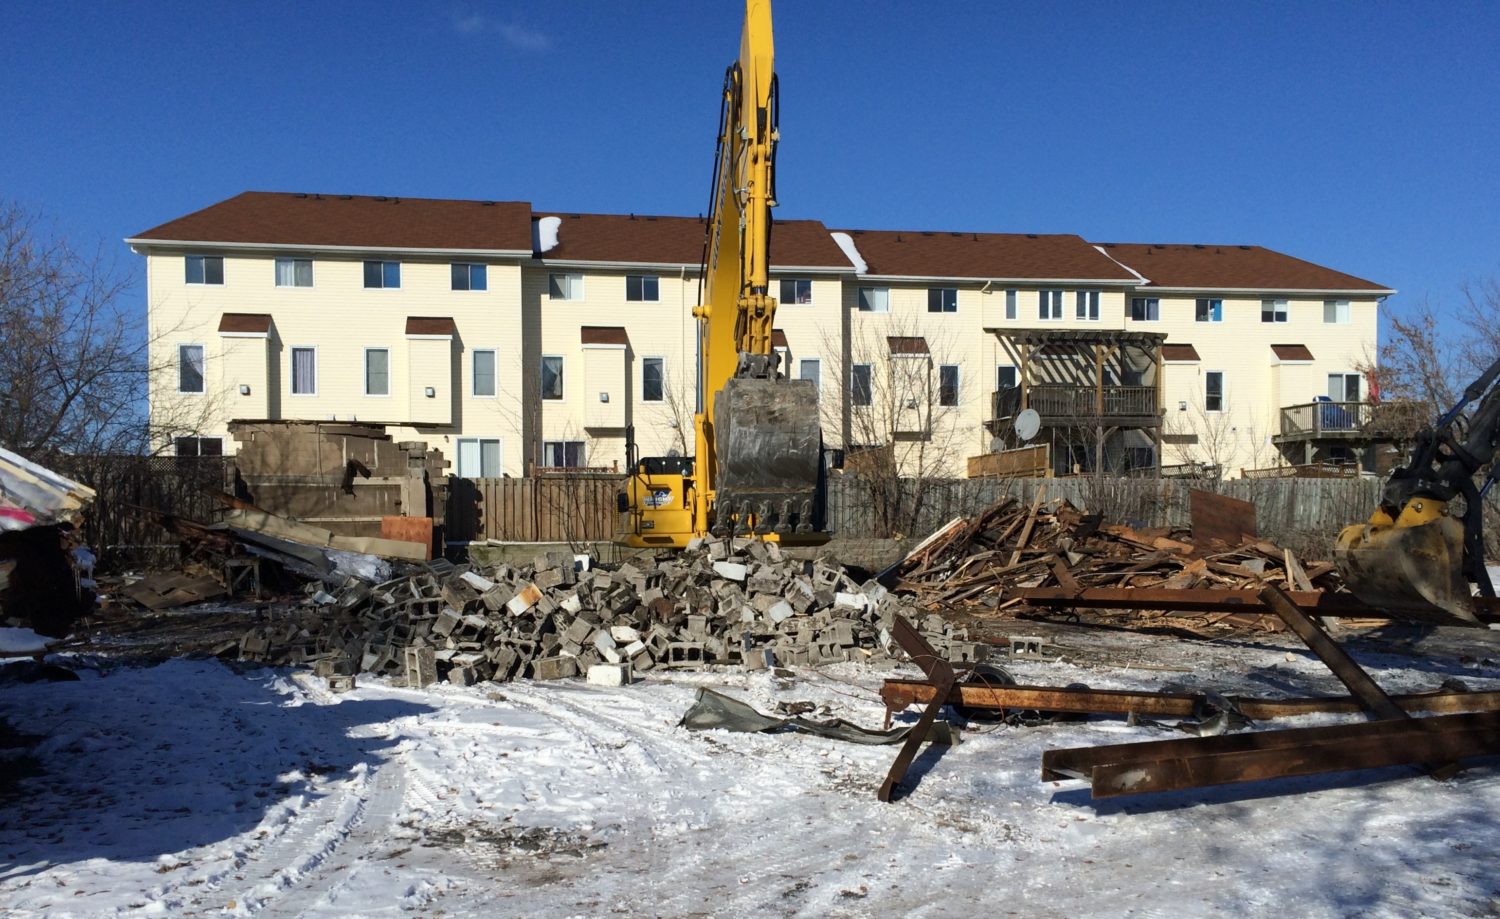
{"type": "Point", "coordinates": [1060, 400]}
{"type": "Point", "coordinates": [1325, 419]}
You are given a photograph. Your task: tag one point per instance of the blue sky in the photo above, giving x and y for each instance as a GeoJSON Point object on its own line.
{"type": "Point", "coordinates": [1362, 136]}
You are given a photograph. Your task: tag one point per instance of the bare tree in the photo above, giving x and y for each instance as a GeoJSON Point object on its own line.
{"type": "Point", "coordinates": [1205, 439]}
{"type": "Point", "coordinates": [1416, 362]}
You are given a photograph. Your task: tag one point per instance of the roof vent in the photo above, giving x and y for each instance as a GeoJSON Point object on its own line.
{"type": "Point", "coordinates": [925, 233]}
{"type": "Point", "coordinates": [974, 236]}
{"type": "Point", "coordinates": [346, 197]}
{"type": "Point", "coordinates": [377, 197]}
{"type": "Point", "coordinates": [487, 203]}
{"type": "Point", "coordinates": [302, 194]}
{"type": "Point", "coordinates": [653, 219]}
{"type": "Point", "coordinates": [1246, 248]}
{"type": "Point", "coordinates": [632, 216]}
{"type": "Point", "coordinates": [1031, 236]}
{"type": "Point", "coordinates": [898, 237]}
{"type": "Point", "coordinates": [1196, 246]}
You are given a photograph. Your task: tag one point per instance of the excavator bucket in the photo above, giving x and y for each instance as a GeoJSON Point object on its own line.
{"type": "Point", "coordinates": [1415, 571]}
{"type": "Point", "coordinates": [768, 444]}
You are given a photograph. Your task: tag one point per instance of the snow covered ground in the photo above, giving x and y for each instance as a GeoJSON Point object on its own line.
{"type": "Point", "coordinates": [189, 788]}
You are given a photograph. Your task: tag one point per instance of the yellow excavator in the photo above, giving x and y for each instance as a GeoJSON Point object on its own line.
{"type": "Point", "coordinates": [757, 463]}
{"type": "Point", "coordinates": [1412, 557]}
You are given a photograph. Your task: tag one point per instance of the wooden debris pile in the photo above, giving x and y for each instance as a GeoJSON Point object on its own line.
{"type": "Point", "coordinates": [1012, 546]}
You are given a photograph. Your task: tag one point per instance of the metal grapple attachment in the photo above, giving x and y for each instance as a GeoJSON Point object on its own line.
{"type": "Point", "coordinates": [767, 443]}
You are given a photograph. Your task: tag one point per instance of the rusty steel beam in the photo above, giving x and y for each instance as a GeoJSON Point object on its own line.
{"type": "Point", "coordinates": [1188, 600]}
{"type": "Point", "coordinates": [1172, 765]}
{"type": "Point", "coordinates": [940, 672]}
{"type": "Point", "coordinates": [1351, 674]}
{"type": "Point", "coordinates": [901, 694]}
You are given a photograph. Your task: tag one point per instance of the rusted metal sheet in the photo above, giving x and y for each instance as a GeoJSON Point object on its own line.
{"type": "Point", "coordinates": [408, 529]}
{"type": "Point", "coordinates": [1218, 518]}
{"type": "Point", "coordinates": [940, 672]}
{"type": "Point", "coordinates": [902, 694]}
{"type": "Point", "coordinates": [1170, 765]}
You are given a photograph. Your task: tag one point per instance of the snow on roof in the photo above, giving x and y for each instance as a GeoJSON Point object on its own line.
{"type": "Point", "coordinates": [544, 234]}
{"type": "Point", "coordinates": [846, 242]}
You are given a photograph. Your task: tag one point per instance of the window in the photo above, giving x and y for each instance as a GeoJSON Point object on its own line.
{"type": "Point", "coordinates": [641, 287]}
{"type": "Point", "coordinates": [470, 276]}
{"type": "Point", "coordinates": [860, 392]}
{"type": "Point", "coordinates": [204, 269]}
{"type": "Point", "coordinates": [1336, 311]}
{"type": "Point", "coordinates": [1145, 309]}
{"type": "Point", "coordinates": [294, 272]}
{"type": "Point", "coordinates": [1140, 457]}
{"type": "Point", "coordinates": [942, 300]}
{"type": "Point", "coordinates": [1343, 387]}
{"type": "Point", "coordinates": [377, 372]}
{"type": "Point", "coordinates": [479, 458]}
{"type": "Point", "coordinates": [565, 454]}
{"type": "Point", "coordinates": [811, 368]}
{"type": "Point", "coordinates": [484, 373]}
{"type": "Point", "coordinates": [198, 446]}
{"type": "Point", "coordinates": [948, 385]}
{"type": "Point", "coordinates": [653, 379]}
{"type": "Point", "coordinates": [1088, 305]}
{"type": "Point", "coordinates": [1010, 304]}
{"type": "Point", "coordinates": [552, 377]}
{"type": "Point", "coordinates": [1006, 377]}
{"type": "Point", "coordinates": [874, 299]}
{"type": "Point", "coordinates": [304, 371]}
{"type": "Point", "coordinates": [565, 286]}
{"type": "Point", "coordinates": [1213, 391]}
{"type": "Point", "coordinates": [190, 368]}
{"type": "Point", "coordinates": [383, 275]}
{"type": "Point", "coordinates": [1208, 310]}
{"type": "Point", "coordinates": [796, 290]}
{"type": "Point", "coordinates": [1273, 311]}
{"type": "Point", "coordinates": [1049, 304]}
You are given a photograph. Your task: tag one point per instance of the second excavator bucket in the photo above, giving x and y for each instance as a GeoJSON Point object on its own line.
{"type": "Point", "coordinates": [1413, 571]}
{"type": "Point", "coordinates": [768, 445]}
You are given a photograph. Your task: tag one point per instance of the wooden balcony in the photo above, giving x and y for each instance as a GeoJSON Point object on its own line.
{"type": "Point", "coordinates": [1327, 421]}
{"type": "Point", "coordinates": [1065, 404]}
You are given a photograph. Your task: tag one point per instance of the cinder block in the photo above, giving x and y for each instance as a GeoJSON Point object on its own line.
{"type": "Point", "coordinates": [554, 668]}
{"type": "Point", "coordinates": [733, 571]}
{"type": "Point", "coordinates": [610, 675]}
{"type": "Point", "coordinates": [524, 600]}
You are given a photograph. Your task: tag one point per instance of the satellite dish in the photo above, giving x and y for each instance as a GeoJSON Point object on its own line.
{"type": "Point", "coordinates": [1027, 424]}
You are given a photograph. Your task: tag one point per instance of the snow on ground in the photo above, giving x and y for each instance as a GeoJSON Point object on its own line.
{"type": "Point", "coordinates": [190, 788]}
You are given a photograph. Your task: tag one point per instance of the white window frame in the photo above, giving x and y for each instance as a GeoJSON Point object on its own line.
{"type": "Point", "coordinates": [1147, 301]}
{"type": "Point", "coordinates": [942, 298]}
{"type": "Point", "coordinates": [474, 373]}
{"type": "Point", "coordinates": [1010, 304]}
{"type": "Point", "coordinates": [663, 360]}
{"type": "Point", "coordinates": [204, 259]}
{"type": "Point", "coordinates": [1223, 392]}
{"type": "Point", "coordinates": [583, 453]}
{"type": "Point", "coordinates": [958, 381]}
{"type": "Point", "coordinates": [869, 385]}
{"type": "Point", "coordinates": [861, 299]}
{"type": "Point", "coordinates": [311, 274]}
{"type": "Point", "coordinates": [382, 262]}
{"type": "Point", "coordinates": [1281, 310]}
{"type": "Point", "coordinates": [481, 441]}
{"type": "Point", "coordinates": [1359, 382]}
{"type": "Point", "coordinates": [469, 287]}
{"type": "Point", "coordinates": [817, 362]}
{"type": "Point", "coordinates": [378, 395]}
{"type": "Point", "coordinates": [643, 278]}
{"type": "Point", "coordinates": [291, 370]}
{"type": "Point", "coordinates": [1087, 305]}
{"type": "Point", "coordinates": [1343, 312]}
{"type": "Point", "coordinates": [562, 378]}
{"type": "Point", "coordinates": [1049, 306]}
{"type": "Point", "coordinates": [202, 369]}
{"type": "Point", "coordinates": [781, 289]}
{"type": "Point", "coordinates": [1209, 314]}
{"type": "Point", "coordinates": [574, 284]}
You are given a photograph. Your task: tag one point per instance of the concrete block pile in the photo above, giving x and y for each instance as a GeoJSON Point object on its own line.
{"type": "Point", "coordinates": [746, 605]}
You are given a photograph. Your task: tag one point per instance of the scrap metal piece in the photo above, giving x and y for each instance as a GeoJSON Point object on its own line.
{"type": "Point", "coordinates": [940, 672]}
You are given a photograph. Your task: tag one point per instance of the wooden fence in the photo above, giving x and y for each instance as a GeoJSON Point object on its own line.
{"type": "Point", "coordinates": [550, 508]}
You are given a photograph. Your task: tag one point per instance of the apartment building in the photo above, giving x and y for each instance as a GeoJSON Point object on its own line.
{"type": "Point", "coordinates": [513, 337]}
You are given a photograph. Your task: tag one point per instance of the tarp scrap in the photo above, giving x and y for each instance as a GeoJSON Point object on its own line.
{"type": "Point", "coordinates": [716, 711]}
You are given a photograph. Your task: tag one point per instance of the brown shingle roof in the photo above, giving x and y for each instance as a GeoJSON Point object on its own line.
{"type": "Point", "coordinates": [245, 322]}
{"type": "Point", "coordinates": [778, 339]}
{"type": "Point", "coordinates": [1231, 268]}
{"type": "Point", "coordinates": [679, 241]}
{"type": "Point", "coordinates": [983, 255]}
{"type": "Point", "coordinates": [1179, 353]}
{"type": "Point", "coordinates": [430, 325]}
{"type": "Point", "coordinates": [1291, 352]}
{"type": "Point", "coordinates": [280, 218]}
{"type": "Point", "coordinates": [604, 335]}
{"type": "Point", "coordinates": [905, 344]}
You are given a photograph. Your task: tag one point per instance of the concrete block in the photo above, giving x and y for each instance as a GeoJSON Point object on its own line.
{"type": "Point", "coordinates": [624, 634]}
{"type": "Point", "coordinates": [579, 630]}
{"type": "Point", "coordinates": [477, 581]}
{"type": "Point", "coordinates": [571, 604]}
{"type": "Point", "coordinates": [856, 602]}
{"type": "Point", "coordinates": [421, 668]}
{"type": "Point", "coordinates": [554, 668]}
{"type": "Point", "coordinates": [602, 639]}
{"type": "Point", "coordinates": [733, 571]}
{"type": "Point", "coordinates": [684, 655]}
{"type": "Point", "coordinates": [613, 674]}
{"type": "Point", "coordinates": [524, 600]}
{"type": "Point", "coordinates": [779, 612]}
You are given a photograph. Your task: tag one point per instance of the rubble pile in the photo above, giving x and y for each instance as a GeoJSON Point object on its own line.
{"type": "Point", "coordinates": [1011, 545]}
{"type": "Point", "coordinates": [745, 605]}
